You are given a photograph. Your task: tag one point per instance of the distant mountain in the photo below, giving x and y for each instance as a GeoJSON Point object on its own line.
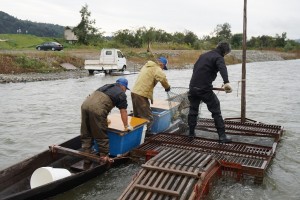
{"type": "Point", "coordinates": [298, 40]}
{"type": "Point", "coordinates": [12, 25]}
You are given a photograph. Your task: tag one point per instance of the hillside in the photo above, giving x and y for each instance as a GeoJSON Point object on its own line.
{"type": "Point", "coordinates": [22, 41]}
{"type": "Point", "coordinates": [12, 25]}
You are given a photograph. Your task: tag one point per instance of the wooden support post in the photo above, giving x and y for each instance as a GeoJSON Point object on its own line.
{"type": "Point", "coordinates": [243, 98]}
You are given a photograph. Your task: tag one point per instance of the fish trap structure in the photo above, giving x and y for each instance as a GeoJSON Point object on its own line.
{"type": "Point", "coordinates": [253, 159]}
{"type": "Point", "coordinates": [179, 167]}
{"type": "Point", "coordinates": [250, 128]}
{"type": "Point", "coordinates": [174, 174]}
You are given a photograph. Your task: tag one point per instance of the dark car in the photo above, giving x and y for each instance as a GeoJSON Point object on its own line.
{"type": "Point", "coordinates": [54, 46]}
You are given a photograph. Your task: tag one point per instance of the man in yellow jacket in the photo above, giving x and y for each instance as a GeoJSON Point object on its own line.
{"type": "Point", "coordinates": [150, 74]}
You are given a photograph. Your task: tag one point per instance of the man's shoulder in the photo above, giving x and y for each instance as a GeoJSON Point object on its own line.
{"type": "Point", "coordinates": [151, 63]}
{"type": "Point", "coordinates": [211, 54]}
{"type": "Point", "coordinates": [116, 89]}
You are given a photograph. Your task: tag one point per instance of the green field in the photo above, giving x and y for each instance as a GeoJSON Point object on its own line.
{"type": "Point", "coordinates": [21, 41]}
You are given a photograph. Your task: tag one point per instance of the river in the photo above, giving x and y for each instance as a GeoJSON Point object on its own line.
{"type": "Point", "coordinates": [35, 115]}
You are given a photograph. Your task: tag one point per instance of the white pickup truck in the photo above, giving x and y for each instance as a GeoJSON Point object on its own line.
{"type": "Point", "coordinates": [110, 60]}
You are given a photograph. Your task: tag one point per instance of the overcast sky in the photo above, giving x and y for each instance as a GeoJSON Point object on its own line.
{"type": "Point", "coordinates": [265, 17]}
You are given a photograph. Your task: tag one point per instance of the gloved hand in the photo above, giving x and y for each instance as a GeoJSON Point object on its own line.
{"type": "Point", "coordinates": [168, 89]}
{"type": "Point", "coordinates": [227, 88]}
{"type": "Point", "coordinates": [128, 128]}
{"type": "Point", "coordinates": [106, 159]}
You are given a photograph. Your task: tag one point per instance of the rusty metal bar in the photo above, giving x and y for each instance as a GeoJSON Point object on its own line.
{"type": "Point", "coordinates": [247, 128]}
{"type": "Point", "coordinates": [253, 158]}
{"type": "Point", "coordinates": [158, 180]}
{"type": "Point", "coordinates": [250, 149]}
{"type": "Point", "coordinates": [173, 171]}
{"type": "Point", "coordinates": [153, 189]}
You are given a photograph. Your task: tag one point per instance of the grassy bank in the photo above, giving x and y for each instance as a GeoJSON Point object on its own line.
{"type": "Point", "coordinates": [18, 55]}
{"type": "Point", "coordinates": [25, 61]}
{"type": "Point", "coordinates": [45, 62]}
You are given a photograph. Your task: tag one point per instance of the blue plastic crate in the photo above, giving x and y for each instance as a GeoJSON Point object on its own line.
{"type": "Point", "coordinates": [122, 142]}
{"type": "Point", "coordinates": [161, 120]}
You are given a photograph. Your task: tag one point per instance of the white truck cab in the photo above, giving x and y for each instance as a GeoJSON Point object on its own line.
{"type": "Point", "coordinates": [109, 60]}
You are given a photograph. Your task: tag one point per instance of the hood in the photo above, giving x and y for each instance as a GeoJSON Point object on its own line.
{"type": "Point", "coordinates": [151, 64]}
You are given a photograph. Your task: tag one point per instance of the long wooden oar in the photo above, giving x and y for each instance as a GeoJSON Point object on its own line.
{"type": "Point", "coordinates": [80, 154]}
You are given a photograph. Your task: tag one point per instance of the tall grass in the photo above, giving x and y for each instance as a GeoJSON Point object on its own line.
{"type": "Point", "coordinates": [36, 62]}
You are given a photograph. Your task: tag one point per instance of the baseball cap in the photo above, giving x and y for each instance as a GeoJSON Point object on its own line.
{"type": "Point", "coordinates": [123, 81]}
{"type": "Point", "coordinates": [164, 61]}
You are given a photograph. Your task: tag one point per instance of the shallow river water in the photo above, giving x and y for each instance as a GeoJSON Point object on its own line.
{"type": "Point", "coordinates": [35, 115]}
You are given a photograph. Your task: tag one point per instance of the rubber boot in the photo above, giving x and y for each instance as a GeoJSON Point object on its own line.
{"type": "Point", "coordinates": [223, 138]}
{"type": "Point", "coordinates": [86, 161]}
{"type": "Point", "coordinates": [192, 133]}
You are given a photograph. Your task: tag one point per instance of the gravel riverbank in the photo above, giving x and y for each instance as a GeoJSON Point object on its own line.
{"type": "Point", "coordinates": [31, 77]}
{"type": "Point", "coordinates": [252, 56]}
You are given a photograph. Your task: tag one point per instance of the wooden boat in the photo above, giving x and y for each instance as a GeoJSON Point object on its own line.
{"type": "Point", "coordinates": [15, 180]}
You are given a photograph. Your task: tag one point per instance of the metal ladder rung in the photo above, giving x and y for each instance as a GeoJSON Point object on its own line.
{"type": "Point", "coordinates": [158, 190]}
{"type": "Point", "coordinates": [173, 171]}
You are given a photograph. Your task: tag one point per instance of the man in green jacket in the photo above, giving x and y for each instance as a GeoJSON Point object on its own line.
{"type": "Point", "coordinates": [94, 112]}
{"type": "Point", "coordinates": [150, 74]}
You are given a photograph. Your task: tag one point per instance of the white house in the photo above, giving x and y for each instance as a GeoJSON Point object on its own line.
{"type": "Point", "coordinates": [69, 34]}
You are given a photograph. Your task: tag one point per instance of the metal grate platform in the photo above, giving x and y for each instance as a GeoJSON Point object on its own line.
{"type": "Point", "coordinates": [254, 159]}
{"type": "Point", "coordinates": [173, 174]}
{"type": "Point", "coordinates": [247, 128]}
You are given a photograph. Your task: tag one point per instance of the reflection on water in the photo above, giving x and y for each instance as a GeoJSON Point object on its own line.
{"type": "Point", "coordinates": [109, 186]}
{"type": "Point", "coordinates": [38, 114]}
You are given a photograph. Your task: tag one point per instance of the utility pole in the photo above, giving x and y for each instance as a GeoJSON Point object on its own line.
{"type": "Point", "coordinates": [243, 98]}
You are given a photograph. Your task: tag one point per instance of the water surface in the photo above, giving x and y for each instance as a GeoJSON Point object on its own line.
{"type": "Point", "coordinates": [38, 114]}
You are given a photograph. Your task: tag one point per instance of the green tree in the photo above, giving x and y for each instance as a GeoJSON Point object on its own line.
{"type": "Point", "coordinates": [190, 38]}
{"type": "Point", "coordinates": [178, 38]}
{"type": "Point", "coordinates": [280, 41]}
{"type": "Point", "coordinates": [162, 36]}
{"type": "Point", "coordinates": [237, 41]}
{"type": "Point", "coordinates": [130, 38]}
{"type": "Point", "coordinates": [126, 37]}
{"type": "Point", "coordinates": [206, 42]}
{"type": "Point", "coordinates": [85, 30]}
{"type": "Point", "coordinates": [149, 36]}
{"type": "Point", "coordinates": [291, 45]}
{"type": "Point", "coordinates": [222, 32]}
{"type": "Point", "coordinates": [138, 39]}
{"type": "Point", "coordinates": [261, 42]}
{"type": "Point", "coordinates": [266, 41]}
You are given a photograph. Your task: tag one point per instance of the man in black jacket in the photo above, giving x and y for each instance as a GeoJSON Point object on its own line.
{"type": "Point", "coordinates": [200, 88]}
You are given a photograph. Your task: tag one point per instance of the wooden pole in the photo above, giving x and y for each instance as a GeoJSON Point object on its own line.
{"type": "Point", "coordinates": [243, 98]}
{"type": "Point", "coordinates": [75, 153]}
{"type": "Point", "coordinates": [82, 155]}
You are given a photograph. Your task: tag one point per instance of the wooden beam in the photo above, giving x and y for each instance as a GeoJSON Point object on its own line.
{"type": "Point", "coordinates": [76, 153]}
